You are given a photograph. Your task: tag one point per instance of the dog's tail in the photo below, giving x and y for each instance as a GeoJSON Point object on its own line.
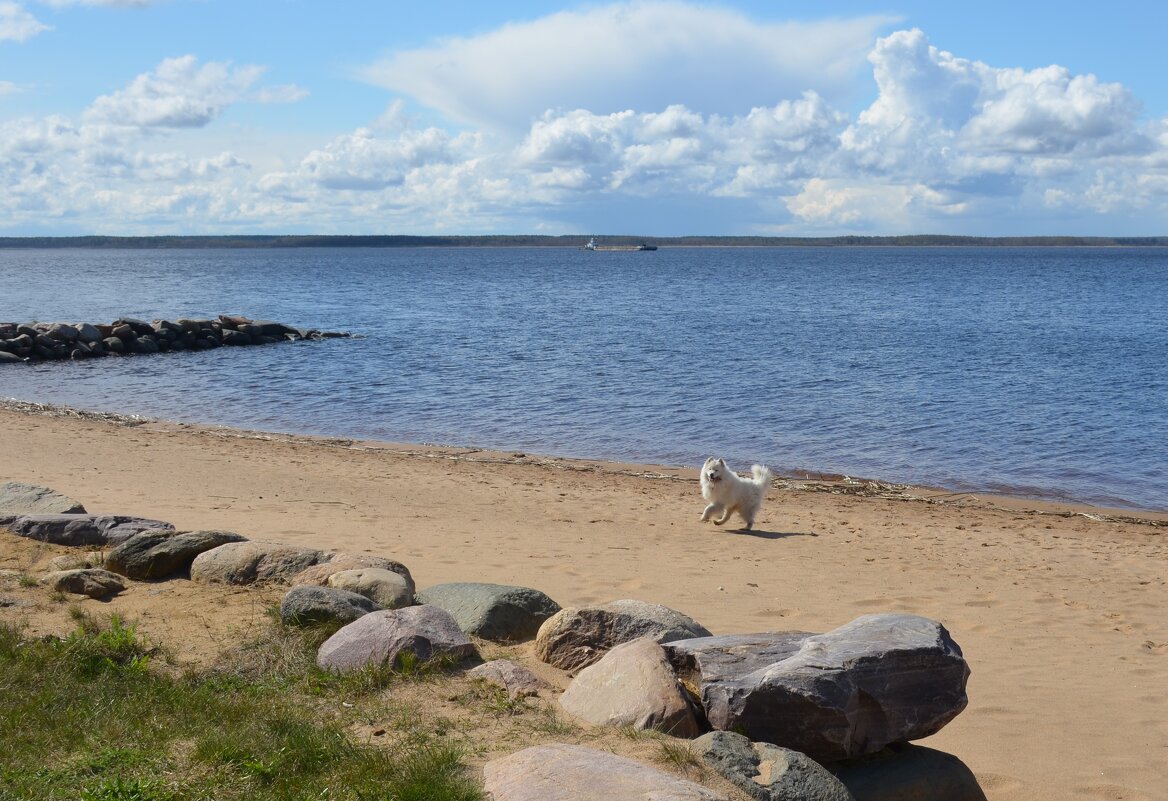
{"type": "Point", "coordinates": [762, 475]}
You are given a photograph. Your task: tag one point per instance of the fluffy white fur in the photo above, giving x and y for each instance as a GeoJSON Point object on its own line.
{"type": "Point", "coordinates": [727, 492]}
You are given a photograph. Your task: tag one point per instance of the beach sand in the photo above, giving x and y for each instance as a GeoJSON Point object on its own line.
{"type": "Point", "coordinates": [1060, 611]}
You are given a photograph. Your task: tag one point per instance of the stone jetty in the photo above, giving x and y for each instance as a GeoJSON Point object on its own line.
{"type": "Point", "coordinates": [37, 342]}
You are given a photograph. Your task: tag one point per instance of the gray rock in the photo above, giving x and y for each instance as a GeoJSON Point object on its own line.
{"type": "Point", "coordinates": [63, 332]}
{"type": "Point", "coordinates": [908, 773]}
{"type": "Point", "coordinates": [336, 562]}
{"type": "Point", "coordinates": [94, 582]}
{"type": "Point", "coordinates": [518, 681]}
{"type": "Point", "coordinates": [769, 772]}
{"type": "Point", "coordinates": [385, 588]}
{"type": "Point", "coordinates": [10, 358]}
{"type": "Point", "coordinates": [575, 638]}
{"type": "Point", "coordinates": [28, 499]}
{"type": "Point", "coordinates": [82, 529]}
{"type": "Point", "coordinates": [493, 611]}
{"type": "Point", "coordinates": [380, 638]}
{"type": "Point", "coordinates": [157, 554]}
{"type": "Point", "coordinates": [878, 680]}
{"type": "Point", "coordinates": [253, 562]}
{"type": "Point", "coordinates": [561, 772]}
{"type": "Point", "coordinates": [632, 685]}
{"type": "Point", "coordinates": [89, 333]}
{"type": "Point", "coordinates": [305, 605]}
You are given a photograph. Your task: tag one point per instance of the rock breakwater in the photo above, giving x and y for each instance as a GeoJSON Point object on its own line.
{"type": "Point", "coordinates": [37, 342]}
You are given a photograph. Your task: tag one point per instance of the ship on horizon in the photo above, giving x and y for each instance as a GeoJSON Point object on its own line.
{"type": "Point", "coordinates": [592, 244]}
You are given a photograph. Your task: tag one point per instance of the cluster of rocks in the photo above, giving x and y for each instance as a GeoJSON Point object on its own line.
{"type": "Point", "coordinates": [797, 716]}
{"type": "Point", "coordinates": [25, 342]}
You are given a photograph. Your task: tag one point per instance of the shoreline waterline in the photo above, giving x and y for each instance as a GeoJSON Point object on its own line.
{"type": "Point", "coordinates": [801, 480]}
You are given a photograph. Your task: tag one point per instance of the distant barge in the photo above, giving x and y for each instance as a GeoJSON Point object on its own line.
{"type": "Point", "coordinates": [593, 245]}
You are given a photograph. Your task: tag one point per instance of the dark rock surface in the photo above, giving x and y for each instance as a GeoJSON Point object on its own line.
{"type": "Point", "coordinates": [306, 605]}
{"type": "Point", "coordinates": [81, 529]}
{"type": "Point", "coordinates": [94, 582]}
{"type": "Point", "coordinates": [34, 342]}
{"type": "Point", "coordinates": [907, 772]}
{"type": "Point", "coordinates": [492, 611]}
{"type": "Point", "coordinates": [769, 772]}
{"type": "Point", "coordinates": [17, 498]}
{"type": "Point", "coordinates": [878, 680]}
{"type": "Point", "coordinates": [157, 554]}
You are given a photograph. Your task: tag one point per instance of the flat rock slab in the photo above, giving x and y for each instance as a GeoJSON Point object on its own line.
{"type": "Point", "coordinates": [518, 681]}
{"type": "Point", "coordinates": [379, 639]}
{"type": "Point", "coordinates": [632, 685]}
{"type": "Point", "coordinates": [28, 499]}
{"type": "Point", "coordinates": [157, 554]}
{"type": "Point", "coordinates": [306, 605]}
{"type": "Point", "coordinates": [574, 638]}
{"type": "Point", "coordinates": [575, 773]}
{"type": "Point", "coordinates": [336, 562]}
{"type": "Point", "coordinates": [494, 612]}
{"type": "Point", "coordinates": [769, 772]}
{"type": "Point", "coordinates": [907, 772]}
{"type": "Point", "coordinates": [94, 582]}
{"type": "Point", "coordinates": [81, 529]}
{"type": "Point", "coordinates": [878, 680]}
{"type": "Point", "coordinates": [253, 562]}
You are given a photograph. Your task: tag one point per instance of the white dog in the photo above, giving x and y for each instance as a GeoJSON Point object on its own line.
{"type": "Point", "coordinates": [727, 492]}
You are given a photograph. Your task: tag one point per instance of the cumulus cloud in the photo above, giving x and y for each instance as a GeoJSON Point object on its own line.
{"type": "Point", "coordinates": [179, 93]}
{"type": "Point", "coordinates": [947, 144]}
{"type": "Point", "coordinates": [17, 25]}
{"type": "Point", "coordinates": [611, 58]}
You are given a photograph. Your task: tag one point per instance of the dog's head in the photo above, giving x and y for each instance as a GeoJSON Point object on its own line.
{"type": "Point", "coordinates": [714, 470]}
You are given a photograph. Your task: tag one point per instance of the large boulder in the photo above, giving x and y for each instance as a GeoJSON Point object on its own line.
{"type": "Point", "coordinates": [906, 772]}
{"type": "Point", "coordinates": [379, 639]}
{"type": "Point", "coordinates": [28, 499]}
{"type": "Point", "coordinates": [769, 772]}
{"type": "Point", "coordinates": [632, 685]}
{"type": "Point", "coordinates": [157, 554]}
{"type": "Point", "coordinates": [880, 679]}
{"type": "Point", "coordinates": [561, 772]}
{"type": "Point", "coordinates": [516, 680]}
{"type": "Point", "coordinates": [305, 605]}
{"type": "Point", "coordinates": [492, 611]}
{"type": "Point", "coordinates": [253, 562]}
{"type": "Point", "coordinates": [574, 638]}
{"type": "Point", "coordinates": [334, 563]}
{"type": "Point", "coordinates": [94, 582]}
{"type": "Point", "coordinates": [81, 529]}
{"type": "Point", "coordinates": [387, 589]}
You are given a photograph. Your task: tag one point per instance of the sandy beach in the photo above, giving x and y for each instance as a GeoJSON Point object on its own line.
{"type": "Point", "coordinates": [1060, 611]}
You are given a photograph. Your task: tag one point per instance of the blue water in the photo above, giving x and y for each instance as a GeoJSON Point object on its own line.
{"type": "Point", "coordinates": [1029, 371]}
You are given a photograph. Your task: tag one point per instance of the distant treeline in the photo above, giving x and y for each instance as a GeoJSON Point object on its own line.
{"type": "Point", "coordinates": [394, 241]}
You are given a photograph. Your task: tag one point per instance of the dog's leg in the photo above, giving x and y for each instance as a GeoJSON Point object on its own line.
{"type": "Point", "coordinates": [713, 507]}
{"type": "Point", "coordinates": [725, 516]}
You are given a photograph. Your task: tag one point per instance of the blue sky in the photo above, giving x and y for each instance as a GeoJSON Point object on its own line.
{"type": "Point", "coordinates": [139, 117]}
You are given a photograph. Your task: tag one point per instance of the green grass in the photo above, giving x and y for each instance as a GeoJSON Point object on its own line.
{"type": "Point", "coordinates": [93, 717]}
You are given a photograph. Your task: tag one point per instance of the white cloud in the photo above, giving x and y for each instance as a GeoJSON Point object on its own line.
{"type": "Point", "coordinates": [17, 25]}
{"type": "Point", "coordinates": [610, 58]}
{"type": "Point", "coordinates": [8, 88]}
{"type": "Point", "coordinates": [946, 145]}
{"type": "Point", "coordinates": [177, 94]}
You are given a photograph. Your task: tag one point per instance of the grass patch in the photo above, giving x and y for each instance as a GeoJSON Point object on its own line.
{"type": "Point", "coordinates": [90, 717]}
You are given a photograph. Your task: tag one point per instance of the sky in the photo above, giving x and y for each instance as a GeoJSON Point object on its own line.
{"type": "Point", "coordinates": [657, 118]}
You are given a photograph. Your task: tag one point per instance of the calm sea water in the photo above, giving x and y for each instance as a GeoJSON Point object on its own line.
{"type": "Point", "coordinates": [1029, 371]}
